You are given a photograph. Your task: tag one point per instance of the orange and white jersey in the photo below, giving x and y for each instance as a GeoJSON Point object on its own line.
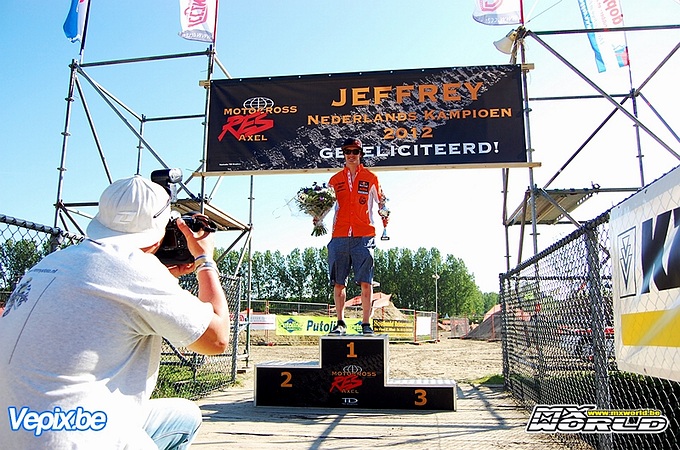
{"type": "Point", "coordinates": [354, 202]}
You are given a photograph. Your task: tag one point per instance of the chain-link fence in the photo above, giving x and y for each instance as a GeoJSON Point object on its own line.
{"type": "Point", "coordinates": [182, 373]}
{"type": "Point", "coordinates": [558, 341]}
{"type": "Point", "coordinates": [22, 245]}
{"type": "Point", "coordinates": [283, 307]}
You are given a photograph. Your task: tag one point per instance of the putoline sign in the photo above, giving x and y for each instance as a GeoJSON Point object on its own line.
{"type": "Point", "coordinates": [425, 118]}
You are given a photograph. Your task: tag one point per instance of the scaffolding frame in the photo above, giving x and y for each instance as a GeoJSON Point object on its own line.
{"type": "Point", "coordinates": [185, 199]}
{"type": "Point", "coordinates": [540, 206]}
{"type": "Point", "coordinates": [543, 206]}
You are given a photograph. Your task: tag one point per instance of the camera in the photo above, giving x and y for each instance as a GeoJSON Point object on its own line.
{"type": "Point", "coordinates": [174, 249]}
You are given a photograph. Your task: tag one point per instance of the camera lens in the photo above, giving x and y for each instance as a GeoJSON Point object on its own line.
{"type": "Point", "coordinates": [194, 224]}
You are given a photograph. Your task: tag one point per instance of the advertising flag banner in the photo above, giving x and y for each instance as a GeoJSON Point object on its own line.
{"type": "Point", "coordinates": [424, 118]}
{"type": "Point", "coordinates": [646, 279]}
{"type": "Point", "coordinates": [312, 325]}
{"type": "Point", "coordinates": [74, 25]}
{"type": "Point", "coordinates": [197, 18]}
{"type": "Point", "coordinates": [610, 48]}
{"type": "Point", "coordinates": [498, 12]}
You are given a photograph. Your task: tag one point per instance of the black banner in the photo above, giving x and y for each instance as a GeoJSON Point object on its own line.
{"type": "Point", "coordinates": [406, 119]}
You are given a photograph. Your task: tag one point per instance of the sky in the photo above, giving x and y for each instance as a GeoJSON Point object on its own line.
{"type": "Point", "coordinates": [458, 211]}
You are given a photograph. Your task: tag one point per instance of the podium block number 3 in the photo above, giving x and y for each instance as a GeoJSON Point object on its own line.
{"type": "Point", "coordinates": [421, 397]}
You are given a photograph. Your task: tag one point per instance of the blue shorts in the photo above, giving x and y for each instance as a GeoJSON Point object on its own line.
{"type": "Point", "coordinates": [351, 252]}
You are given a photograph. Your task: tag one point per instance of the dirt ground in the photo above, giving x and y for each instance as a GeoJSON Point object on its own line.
{"type": "Point", "coordinates": [462, 360]}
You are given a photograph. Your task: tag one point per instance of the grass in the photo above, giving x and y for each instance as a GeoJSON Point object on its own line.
{"type": "Point", "coordinates": [178, 381]}
{"type": "Point", "coordinates": [489, 380]}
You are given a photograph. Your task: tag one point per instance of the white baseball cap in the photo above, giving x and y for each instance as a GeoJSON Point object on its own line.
{"type": "Point", "coordinates": [132, 212]}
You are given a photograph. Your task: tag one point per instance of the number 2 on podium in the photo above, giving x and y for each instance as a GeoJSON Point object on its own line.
{"type": "Point", "coordinates": [287, 376]}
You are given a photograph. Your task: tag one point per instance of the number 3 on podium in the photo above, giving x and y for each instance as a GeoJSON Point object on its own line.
{"type": "Point", "coordinates": [421, 397]}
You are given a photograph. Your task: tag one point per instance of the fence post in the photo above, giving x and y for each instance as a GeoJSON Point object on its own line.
{"type": "Point", "coordinates": [56, 241]}
{"type": "Point", "coordinates": [597, 326]}
{"type": "Point", "coordinates": [505, 332]}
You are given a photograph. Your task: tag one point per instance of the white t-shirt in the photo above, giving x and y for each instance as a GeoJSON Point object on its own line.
{"type": "Point", "coordinates": [80, 343]}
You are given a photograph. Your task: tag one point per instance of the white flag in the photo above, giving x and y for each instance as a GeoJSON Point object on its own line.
{"type": "Point", "coordinates": [197, 18]}
{"type": "Point", "coordinates": [498, 12]}
{"type": "Point", "coordinates": [610, 48]}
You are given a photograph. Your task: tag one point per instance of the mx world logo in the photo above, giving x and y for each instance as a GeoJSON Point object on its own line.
{"type": "Point", "coordinates": [588, 419]}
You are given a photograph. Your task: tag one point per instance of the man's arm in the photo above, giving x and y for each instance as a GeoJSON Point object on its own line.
{"type": "Point", "coordinates": [215, 339]}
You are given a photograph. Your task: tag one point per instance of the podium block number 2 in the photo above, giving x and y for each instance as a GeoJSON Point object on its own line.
{"type": "Point", "coordinates": [287, 376]}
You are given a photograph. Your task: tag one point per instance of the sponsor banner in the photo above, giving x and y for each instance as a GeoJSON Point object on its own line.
{"type": "Point", "coordinates": [74, 25]}
{"type": "Point", "coordinates": [312, 325]}
{"type": "Point", "coordinates": [425, 118]}
{"type": "Point", "coordinates": [402, 329]}
{"type": "Point", "coordinates": [610, 49]}
{"type": "Point", "coordinates": [424, 326]}
{"type": "Point", "coordinates": [197, 19]}
{"type": "Point", "coordinates": [258, 322]}
{"type": "Point", "coordinates": [646, 279]}
{"type": "Point", "coordinates": [498, 12]}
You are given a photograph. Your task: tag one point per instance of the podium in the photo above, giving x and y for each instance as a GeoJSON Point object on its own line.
{"type": "Point", "coordinates": [352, 372]}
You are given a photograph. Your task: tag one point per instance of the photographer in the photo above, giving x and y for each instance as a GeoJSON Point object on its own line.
{"type": "Point", "coordinates": [80, 338]}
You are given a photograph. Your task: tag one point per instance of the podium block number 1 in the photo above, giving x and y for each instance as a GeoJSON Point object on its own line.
{"type": "Point", "coordinates": [351, 353]}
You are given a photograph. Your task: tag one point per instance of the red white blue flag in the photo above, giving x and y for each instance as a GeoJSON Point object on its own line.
{"type": "Point", "coordinates": [498, 12]}
{"type": "Point", "coordinates": [610, 47]}
{"type": "Point", "coordinates": [198, 19]}
{"type": "Point", "coordinates": [74, 25]}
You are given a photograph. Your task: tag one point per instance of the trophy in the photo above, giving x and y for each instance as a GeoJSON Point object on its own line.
{"type": "Point", "coordinates": [384, 214]}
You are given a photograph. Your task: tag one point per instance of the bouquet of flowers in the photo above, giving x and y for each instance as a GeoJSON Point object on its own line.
{"type": "Point", "coordinates": [316, 201]}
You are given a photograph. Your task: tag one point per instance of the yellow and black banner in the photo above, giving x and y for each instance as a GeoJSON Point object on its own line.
{"type": "Point", "coordinates": [425, 118]}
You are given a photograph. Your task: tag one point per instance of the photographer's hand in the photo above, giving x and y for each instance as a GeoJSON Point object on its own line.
{"type": "Point", "coordinates": [200, 242]}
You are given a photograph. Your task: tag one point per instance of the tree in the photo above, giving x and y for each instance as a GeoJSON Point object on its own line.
{"type": "Point", "coordinates": [489, 299]}
{"type": "Point", "coordinates": [269, 269]}
{"type": "Point", "coordinates": [459, 294]}
{"type": "Point", "coordinates": [316, 263]}
{"type": "Point", "coordinates": [387, 271]}
{"type": "Point", "coordinates": [302, 275]}
{"type": "Point", "coordinates": [16, 257]}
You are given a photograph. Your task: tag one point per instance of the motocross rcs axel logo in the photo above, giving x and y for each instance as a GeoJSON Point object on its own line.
{"type": "Point", "coordinates": [251, 121]}
{"type": "Point", "coordinates": [350, 378]}
{"type": "Point", "coordinates": [346, 383]}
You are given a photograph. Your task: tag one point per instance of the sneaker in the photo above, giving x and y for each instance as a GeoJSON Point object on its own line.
{"type": "Point", "coordinates": [339, 330]}
{"type": "Point", "coordinates": [366, 328]}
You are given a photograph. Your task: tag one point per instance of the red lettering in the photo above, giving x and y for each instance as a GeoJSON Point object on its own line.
{"type": "Point", "coordinates": [196, 12]}
{"type": "Point", "coordinates": [248, 125]}
{"type": "Point", "coordinates": [345, 382]}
